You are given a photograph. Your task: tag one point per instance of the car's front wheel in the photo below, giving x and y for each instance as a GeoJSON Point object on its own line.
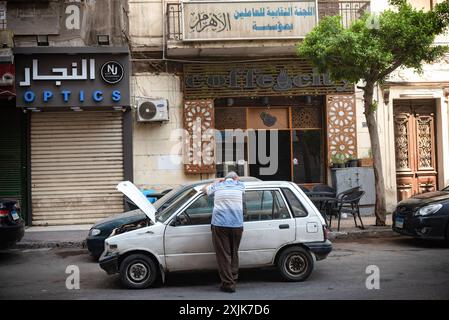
{"type": "Point", "coordinates": [295, 264]}
{"type": "Point", "coordinates": [138, 271]}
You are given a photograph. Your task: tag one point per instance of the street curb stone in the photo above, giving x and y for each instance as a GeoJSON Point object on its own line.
{"type": "Point", "coordinates": [333, 235]}
{"type": "Point", "coordinates": [50, 244]}
{"type": "Point", "coordinates": [362, 234]}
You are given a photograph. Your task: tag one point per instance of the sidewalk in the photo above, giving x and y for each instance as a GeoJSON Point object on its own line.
{"type": "Point", "coordinates": [75, 236]}
{"type": "Point", "coordinates": [349, 231]}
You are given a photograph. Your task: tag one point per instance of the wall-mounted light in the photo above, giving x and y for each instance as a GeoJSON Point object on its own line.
{"type": "Point", "coordinates": [229, 102]}
{"type": "Point", "coordinates": [77, 109]}
{"type": "Point", "coordinates": [308, 100]}
{"type": "Point", "coordinates": [265, 101]}
{"type": "Point", "coordinates": [42, 40]}
{"type": "Point", "coordinates": [34, 109]}
{"type": "Point", "coordinates": [103, 39]}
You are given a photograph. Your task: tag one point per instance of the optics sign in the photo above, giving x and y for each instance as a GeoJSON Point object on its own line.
{"type": "Point", "coordinates": [84, 79]}
{"type": "Point", "coordinates": [240, 20]}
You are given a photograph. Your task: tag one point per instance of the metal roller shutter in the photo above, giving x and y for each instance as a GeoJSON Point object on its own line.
{"type": "Point", "coordinates": [76, 163]}
{"type": "Point", "coordinates": [12, 156]}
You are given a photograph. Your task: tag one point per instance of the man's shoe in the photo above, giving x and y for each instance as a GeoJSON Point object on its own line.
{"type": "Point", "coordinates": [227, 289]}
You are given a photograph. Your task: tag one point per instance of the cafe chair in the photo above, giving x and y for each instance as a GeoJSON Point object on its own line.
{"type": "Point", "coordinates": [348, 203]}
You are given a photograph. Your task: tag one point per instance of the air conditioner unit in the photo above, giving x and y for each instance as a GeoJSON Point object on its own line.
{"type": "Point", "coordinates": [152, 110]}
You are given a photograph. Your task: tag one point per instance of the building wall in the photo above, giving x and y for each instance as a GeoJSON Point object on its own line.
{"type": "Point", "coordinates": [146, 24]}
{"type": "Point", "coordinates": [68, 23]}
{"type": "Point", "coordinates": [157, 152]}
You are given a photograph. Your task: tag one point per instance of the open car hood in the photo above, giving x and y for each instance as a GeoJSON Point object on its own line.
{"type": "Point", "coordinates": [139, 199]}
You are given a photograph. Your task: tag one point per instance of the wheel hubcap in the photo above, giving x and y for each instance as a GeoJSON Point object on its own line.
{"type": "Point", "coordinates": [296, 264]}
{"type": "Point", "coordinates": [138, 272]}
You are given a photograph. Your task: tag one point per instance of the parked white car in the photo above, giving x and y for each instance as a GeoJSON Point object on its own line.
{"type": "Point", "coordinates": [282, 228]}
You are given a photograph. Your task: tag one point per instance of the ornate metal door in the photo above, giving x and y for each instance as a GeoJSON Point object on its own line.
{"type": "Point", "coordinates": [416, 168]}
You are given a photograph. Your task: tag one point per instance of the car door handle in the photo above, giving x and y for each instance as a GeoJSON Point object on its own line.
{"type": "Point", "coordinates": [284, 226]}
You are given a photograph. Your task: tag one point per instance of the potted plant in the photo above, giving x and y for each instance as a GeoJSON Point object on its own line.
{"type": "Point", "coordinates": [352, 162]}
{"type": "Point", "coordinates": [338, 160]}
{"type": "Point", "coordinates": [368, 161]}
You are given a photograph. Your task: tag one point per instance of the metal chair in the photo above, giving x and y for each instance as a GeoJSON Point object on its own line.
{"type": "Point", "coordinates": [348, 203]}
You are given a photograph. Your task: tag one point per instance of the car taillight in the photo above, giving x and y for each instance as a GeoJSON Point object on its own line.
{"type": "Point", "coordinates": [4, 213]}
{"type": "Point", "coordinates": [326, 233]}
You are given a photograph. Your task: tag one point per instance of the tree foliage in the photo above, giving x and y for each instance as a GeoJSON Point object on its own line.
{"type": "Point", "coordinates": [376, 45]}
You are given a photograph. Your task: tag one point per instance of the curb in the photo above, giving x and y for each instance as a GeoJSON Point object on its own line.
{"type": "Point", "coordinates": [362, 234]}
{"type": "Point", "coordinates": [333, 235]}
{"type": "Point", "coordinates": [50, 244]}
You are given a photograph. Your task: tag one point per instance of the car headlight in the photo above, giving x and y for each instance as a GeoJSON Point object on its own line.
{"type": "Point", "coordinates": [110, 247]}
{"type": "Point", "coordinates": [430, 209]}
{"type": "Point", "coordinates": [95, 232]}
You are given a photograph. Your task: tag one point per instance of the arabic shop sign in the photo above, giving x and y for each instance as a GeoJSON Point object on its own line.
{"type": "Point", "coordinates": [234, 20]}
{"type": "Point", "coordinates": [292, 77]}
{"type": "Point", "coordinates": [81, 80]}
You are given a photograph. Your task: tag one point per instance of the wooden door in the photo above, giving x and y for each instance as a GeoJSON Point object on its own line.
{"type": "Point", "coordinates": [416, 167]}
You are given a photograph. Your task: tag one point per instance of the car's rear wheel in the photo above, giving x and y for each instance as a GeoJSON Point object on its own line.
{"type": "Point", "coordinates": [138, 271]}
{"type": "Point", "coordinates": [295, 264]}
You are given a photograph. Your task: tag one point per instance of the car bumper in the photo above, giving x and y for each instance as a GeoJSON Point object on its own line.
{"type": "Point", "coordinates": [320, 249]}
{"type": "Point", "coordinates": [430, 227]}
{"type": "Point", "coordinates": [11, 234]}
{"type": "Point", "coordinates": [109, 263]}
{"type": "Point", "coordinates": [95, 245]}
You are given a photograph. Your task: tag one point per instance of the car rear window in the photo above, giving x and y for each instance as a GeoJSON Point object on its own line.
{"type": "Point", "coordinates": [295, 205]}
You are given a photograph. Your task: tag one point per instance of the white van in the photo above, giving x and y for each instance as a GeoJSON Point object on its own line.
{"type": "Point", "coordinates": [282, 228]}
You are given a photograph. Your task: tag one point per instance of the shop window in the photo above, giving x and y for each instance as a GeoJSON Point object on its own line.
{"type": "Point", "coordinates": [231, 152]}
{"type": "Point", "coordinates": [308, 156]}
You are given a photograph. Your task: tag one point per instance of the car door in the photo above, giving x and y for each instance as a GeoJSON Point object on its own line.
{"type": "Point", "coordinates": [188, 238]}
{"type": "Point", "coordinates": [268, 225]}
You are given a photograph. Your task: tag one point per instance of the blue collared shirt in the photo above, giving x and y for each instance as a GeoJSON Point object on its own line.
{"type": "Point", "coordinates": [228, 203]}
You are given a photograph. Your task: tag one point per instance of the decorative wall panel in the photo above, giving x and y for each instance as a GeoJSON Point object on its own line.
{"type": "Point", "coordinates": [306, 117]}
{"type": "Point", "coordinates": [199, 141]}
{"type": "Point", "coordinates": [341, 122]}
{"type": "Point", "coordinates": [230, 118]}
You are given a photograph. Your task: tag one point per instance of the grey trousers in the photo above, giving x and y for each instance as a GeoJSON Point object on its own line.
{"type": "Point", "coordinates": [226, 243]}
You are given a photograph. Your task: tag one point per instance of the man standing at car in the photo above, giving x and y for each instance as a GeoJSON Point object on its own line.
{"type": "Point", "coordinates": [227, 226]}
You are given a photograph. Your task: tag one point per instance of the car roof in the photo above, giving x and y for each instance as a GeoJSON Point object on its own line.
{"type": "Point", "coordinates": [245, 179]}
{"type": "Point", "coordinates": [260, 183]}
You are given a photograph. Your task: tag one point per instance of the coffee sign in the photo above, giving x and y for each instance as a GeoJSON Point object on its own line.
{"type": "Point", "coordinates": [82, 80]}
{"type": "Point", "coordinates": [295, 77]}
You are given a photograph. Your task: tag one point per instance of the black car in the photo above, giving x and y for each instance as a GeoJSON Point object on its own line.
{"type": "Point", "coordinates": [102, 229]}
{"type": "Point", "coordinates": [11, 224]}
{"type": "Point", "coordinates": [424, 216]}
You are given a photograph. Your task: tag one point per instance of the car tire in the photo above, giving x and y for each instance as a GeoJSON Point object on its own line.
{"type": "Point", "coordinates": [138, 271]}
{"type": "Point", "coordinates": [295, 264]}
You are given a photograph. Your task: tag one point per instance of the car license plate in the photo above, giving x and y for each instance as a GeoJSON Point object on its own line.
{"type": "Point", "coordinates": [399, 223]}
{"type": "Point", "coordinates": [15, 215]}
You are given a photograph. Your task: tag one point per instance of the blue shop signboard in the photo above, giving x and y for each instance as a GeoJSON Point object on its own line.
{"type": "Point", "coordinates": [72, 77]}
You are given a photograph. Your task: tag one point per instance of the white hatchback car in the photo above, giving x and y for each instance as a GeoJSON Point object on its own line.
{"type": "Point", "coordinates": [282, 228]}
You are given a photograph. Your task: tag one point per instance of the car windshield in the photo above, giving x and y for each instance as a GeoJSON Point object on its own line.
{"type": "Point", "coordinates": [446, 189]}
{"type": "Point", "coordinates": [167, 212]}
{"type": "Point", "coordinates": [167, 197]}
